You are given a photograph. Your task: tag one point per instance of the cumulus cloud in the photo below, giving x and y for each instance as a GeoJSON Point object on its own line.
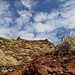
{"type": "Point", "coordinates": [68, 14]}
{"type": "Point", "coordinates": [42, 16]}
{"type": "Point", "coordinates": [49, 22]}
{"type": "Point", "coordinates": [62, 0]}
{"type": "Point", "coordinates": [41, 25]}
{"type": "Point", "coordinates": [3, 6]}
{"type": "Point", "coordinates": [25, 35]}
{"type": "Point", "coordinates": [63, 17]}
{"type": "Point", "coordinates": [23, 19]}
{"type": "Point", "coordinates": [28, 3]}
{"type": "Point", "coordinates": [46, 22]}
{"type": "Point", "coordinates": [5, 14]}
{"type": "Point", "coordinates": [4, 32]}
{"type": "Point", "coordinates": [5, 18]}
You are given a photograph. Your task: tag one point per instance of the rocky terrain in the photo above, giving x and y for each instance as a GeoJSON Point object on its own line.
{"type": "Point", "coordinates": [37, 57]}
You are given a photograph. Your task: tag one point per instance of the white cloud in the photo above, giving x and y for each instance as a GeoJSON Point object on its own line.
{"type": "Point", "coordinates": [25, 35]}
{"type": "Point", "coordinates": [5, 14]}
{"type": "Point", "coordinates": [17, 3]}
{"type": "Point", "coordinates": [3, 6]}
{"type": "Point", "coordinates": [42, 16]}
{"type": "Point", "coordinates": [4, 32]}
{"type": "Point", "coordinates": [24, 13]}
{"type": "Point", "coordinates": [62, 0]}
{"type": "Point", "coordinates": [68, 14]}
{"type": "Point", "coordinates": [8, 19]}
{"type": "Point", "coordinates": [50, 36]}
{"type": "Point", "coordinates": [48, 22]}
{"type": "Point", "coordinates": [53, 20]}
{"type": "Point", "coordinates": [5, 18]}
{"type": "Point", "coordinates": [28, 3]}
{"type": "Point", "coordinates": [23, 19]}
{"type": "Point", "coordinates": [43, 25]}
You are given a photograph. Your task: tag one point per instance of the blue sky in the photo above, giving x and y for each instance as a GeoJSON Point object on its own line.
{"type": "Point", "coordinates": [37, 19]}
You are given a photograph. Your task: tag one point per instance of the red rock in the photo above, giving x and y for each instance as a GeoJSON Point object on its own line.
{"type": "Point", "coordinates": [16, 73]}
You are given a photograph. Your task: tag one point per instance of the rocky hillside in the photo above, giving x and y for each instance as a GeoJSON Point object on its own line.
{"type": "Point", "coordinates": [37, 57]}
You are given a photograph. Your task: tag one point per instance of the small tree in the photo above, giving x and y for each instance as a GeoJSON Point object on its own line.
{"type": "Point", "coordinates": [66, 46]}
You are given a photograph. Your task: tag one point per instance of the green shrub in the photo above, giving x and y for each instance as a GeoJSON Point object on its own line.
{"type": "Point", "coordinates": [1, 53]}
{"type": "Point", "coordinates": [37, 47]}
{"type": "Point", "coordinates": [66, 47]}
{"type": "Point", "coordinates": [4, 71]}
{"type": "Point", "coordinates": [8, 52]}
{"type": "Point", "coordinates": [8, 61]}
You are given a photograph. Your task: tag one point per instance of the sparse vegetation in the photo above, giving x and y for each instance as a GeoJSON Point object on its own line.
{"type": "Point", "coordinates": [1, 53]}
{"type": "Point", "coordinates": [66, 47]}
{"type": "Point", "coordinates": [38, 57]}
{"type": "Point", "coordinates": [8, 61]}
